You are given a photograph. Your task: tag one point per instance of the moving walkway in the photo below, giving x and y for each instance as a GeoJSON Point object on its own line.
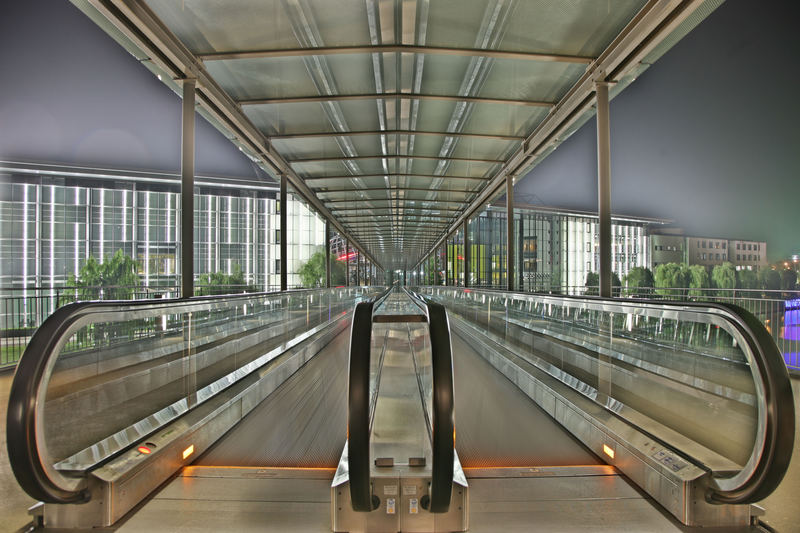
{"type": "Point", "coordinates": [687, 400]}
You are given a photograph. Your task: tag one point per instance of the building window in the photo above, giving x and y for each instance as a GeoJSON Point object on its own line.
{"type": "Point", "coordinates": [716, 257]}
{"type": "Point", "coordinates": [724, 257]}
{"type": "Point", "coordinates": [704, 257]}
{"type": "Point", "coordinates": [738, 246]}
{"type": "Point", "coordinates": [724, 245]}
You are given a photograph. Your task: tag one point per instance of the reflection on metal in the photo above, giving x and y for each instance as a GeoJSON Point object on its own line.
{"type": "Point", "coordinates": [394, 49]}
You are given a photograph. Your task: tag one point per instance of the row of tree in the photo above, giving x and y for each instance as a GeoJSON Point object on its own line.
{"type": "Point", "coordinates": [312, 272]}
{"type": "Point", "coordinates": [117, 278]}
{"type": "Point", "coordinates": [671, 276]}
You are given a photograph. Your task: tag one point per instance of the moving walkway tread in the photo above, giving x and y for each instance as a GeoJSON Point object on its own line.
{"type": "Point", "coordinates": [303, 422]}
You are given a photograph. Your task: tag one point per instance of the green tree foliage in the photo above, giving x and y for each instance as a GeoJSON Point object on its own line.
{"type": "Point", "coordinates": [113, 279]}
{"type": "Point", "coordinates": [637, 278]}
{"type": "Point", "coordinates": [312, 272]}
{"type": "Point", "coordinates": [724, 277]}
{"type": "Point", "coordinates": [747, 279]}
{"type": "Point", "coordinates": [770, 279]}
{"type": "Point", "coordinates": [788, 279]}
{"type": "Point", "coordinates": [593, 284]}
{"type": "Point", "coordinates": [222, 283]}
{"type": "Point", "coordinates": [698, 280]}
{"type": "Point", "coordinates": [671, 276]}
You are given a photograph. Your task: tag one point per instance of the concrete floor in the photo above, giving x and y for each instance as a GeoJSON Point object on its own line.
{"type": "Point", "coordinates": [14, 502]}
{"type": "Point", "coordinates": [783, 511]}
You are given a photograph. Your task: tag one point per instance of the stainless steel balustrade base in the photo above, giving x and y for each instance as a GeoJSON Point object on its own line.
{"type": "Point", "coordinates": [120, 485]}
{"type": "Point", "coordinates": [637, 455]}
{"type": "Point", "coordinates": [399, 489]}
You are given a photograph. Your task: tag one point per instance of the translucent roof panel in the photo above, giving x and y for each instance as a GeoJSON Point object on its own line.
{"type": "Point", "coordinates": [212, 26]}
{"type": "Point", "coordinates": [277, 119]}
{"type": "Point", "coordinates": [566, 27]}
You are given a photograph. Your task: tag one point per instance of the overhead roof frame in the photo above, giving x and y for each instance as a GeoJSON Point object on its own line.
{"type": "Point", "coordinates": [653, 23]}
{"type": "Point", "coordinates": [137, 22]}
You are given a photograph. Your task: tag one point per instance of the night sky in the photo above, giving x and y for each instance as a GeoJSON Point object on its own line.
{"type": "Point", "coordinates": [708, 136]}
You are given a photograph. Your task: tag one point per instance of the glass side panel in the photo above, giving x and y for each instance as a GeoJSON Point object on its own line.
{"type": "Point", "coordinates": [123, 373]}
{"type": "Point", "coordinates": [680, 373]}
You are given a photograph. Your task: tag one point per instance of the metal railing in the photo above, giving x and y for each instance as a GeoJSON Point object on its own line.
{"type": "Point", "coordinates": [703, 378]}
{"type": "Point", "coordinates": [23, 310]}
{"type": "Point", "coordinates": [777, 310]}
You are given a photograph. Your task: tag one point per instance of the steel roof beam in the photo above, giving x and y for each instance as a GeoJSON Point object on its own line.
{"type": "Point", "coordinates": [393, 96]}
{"type": "Point", "coordinates": [392, 216]}
{"type": "Point", "coordinates": [405, 200]}
{"type": "Point", "coordinates": [394, 175]}
{"type": "Point", "coordinates": [393, 49]}
{"type": "Point", "coordinates": [320, 191]}
{"type": "Point", "coordinates": [378, 156]}
{"type": "Point", "coordinates": [393, 211]}
{"type": "Point", "coordinates": [328, 134]}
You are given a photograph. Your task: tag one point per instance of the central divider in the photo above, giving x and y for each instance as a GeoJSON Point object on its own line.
{"type": "Point", "coordinates": [398, 468]}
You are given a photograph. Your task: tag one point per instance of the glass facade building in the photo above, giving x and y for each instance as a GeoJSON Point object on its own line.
{"type": "Point", "coordinates": [554, 249]}
{"type": "Point", "coordinates": [50, 225]}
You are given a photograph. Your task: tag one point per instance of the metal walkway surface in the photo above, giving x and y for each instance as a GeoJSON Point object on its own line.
{"type": "Point", "coordinates": [535, 473]}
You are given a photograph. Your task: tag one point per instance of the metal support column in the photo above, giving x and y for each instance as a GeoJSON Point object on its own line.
{"type": "Point", "coordinates": [187, 189]}
{"type": "Point", "coordinates": [284, 235]}
{"type": "Point", "coordinates": [604, 187]}
{"type": "Point", "coordinates": [347, 266]}
{"type": "Point", "coordinates": [466, 253]}
{"type": "Point", "coordinates": [446, 263]}
{"type": "Point", "coordinates": [358, 269]}
{"type": "Point", "coordinates": [510, 232]}
{"type": "Point", "coordinates": [327, 254]}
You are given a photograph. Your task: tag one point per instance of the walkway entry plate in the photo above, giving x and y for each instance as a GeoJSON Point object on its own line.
{"type": "Point", "coordinates": [400, 506]}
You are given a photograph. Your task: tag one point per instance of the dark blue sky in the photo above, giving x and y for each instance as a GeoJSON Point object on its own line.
{"type": "Point", "coordinates": [708, 136]}
{"type": "Point", "coordinates": [70, 94]}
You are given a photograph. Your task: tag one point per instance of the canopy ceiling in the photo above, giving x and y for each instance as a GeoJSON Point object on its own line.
{"type": "Point", "coordinates": [397, 119]}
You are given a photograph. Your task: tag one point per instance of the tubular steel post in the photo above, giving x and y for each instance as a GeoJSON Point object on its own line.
{"type": "Point", "coordinates": [466, 253]}
{"type": "Point", "coordinates": [284, 235]}
{"type": "Point", "coordinates": [446, 263]}
{"type": "Point", "coordinates": [327, 254]}
{"type": "Point", "coordinates": [187, 189]}
{"type": "Point", "coordinates": [604, 187]}
{"type": "Point", "coordinates": [347, 259]}
{"type": "Point", "coordinates": [510, 232]}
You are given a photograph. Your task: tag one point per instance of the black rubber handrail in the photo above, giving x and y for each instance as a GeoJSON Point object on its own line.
{"type": "Point", "coordinates": [358, 408]}
{"type": "Point", "coordinates": [777, 441]}
{"type": "Point", "coordinates": [778, 437]}
{"type": "Point", "coordinates": [26, 394]}
{"type": "Point", "coordinates": [443, 419]}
